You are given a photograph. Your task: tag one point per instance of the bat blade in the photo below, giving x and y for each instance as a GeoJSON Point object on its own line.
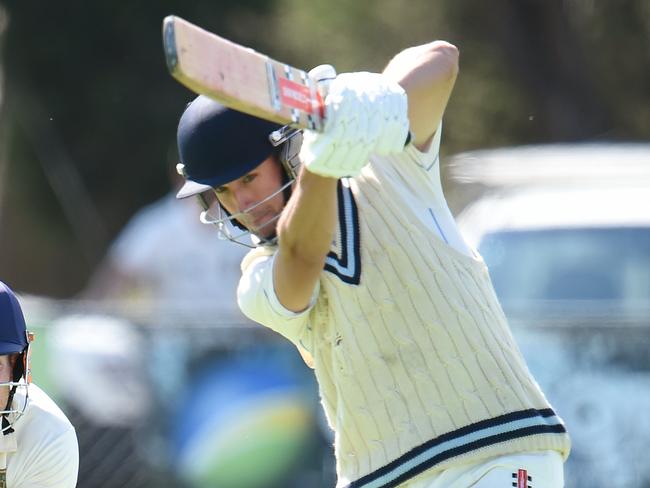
{"type": "Point", "coordinates": [239, 77]}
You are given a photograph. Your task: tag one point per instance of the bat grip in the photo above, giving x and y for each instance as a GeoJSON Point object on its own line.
{"type": "Point", "coordinates": [323, 75]}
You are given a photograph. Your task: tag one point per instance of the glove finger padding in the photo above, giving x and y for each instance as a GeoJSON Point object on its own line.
{"type": "Point", "coordinates": [364, 113]}
{"type": "Point", "coordinates": [395, 122]}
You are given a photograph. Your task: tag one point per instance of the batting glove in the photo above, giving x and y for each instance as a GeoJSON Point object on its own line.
{"type": "Point", "coordinates": [364, 113]}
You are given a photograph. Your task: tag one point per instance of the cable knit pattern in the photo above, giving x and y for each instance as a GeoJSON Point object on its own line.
{"type": "Point", "coordinates": [417, 368]}
{"type": "Point", "coordinates": [419, 349]}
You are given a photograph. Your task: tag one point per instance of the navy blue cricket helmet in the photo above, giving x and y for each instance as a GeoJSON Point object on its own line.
{"type": "Point", "coordinates": [217, 144]}
{"type": "Point", "coordinates": [13, 333]}
{"type": "Point", "coordinates": [14, 339]}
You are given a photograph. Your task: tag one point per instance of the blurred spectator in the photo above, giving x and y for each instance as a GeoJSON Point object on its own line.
{"type": "Point", "coordinates": [97, 355]}
{"type": "Point", "coordinates": [174, 273]}
{"type": "Point", "coordinates": [165, 260]}
{"type": "Point", "coordinates": [165, 269]}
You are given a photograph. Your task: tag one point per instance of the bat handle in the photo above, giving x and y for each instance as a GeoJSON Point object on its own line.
{"type": "Point", "coordinates": [323, 75]}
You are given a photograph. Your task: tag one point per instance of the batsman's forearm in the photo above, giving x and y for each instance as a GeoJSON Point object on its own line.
{"type": "Point", "coordinates": [305, 232]}
{"type": "Point", "coordinates": [307, 224]}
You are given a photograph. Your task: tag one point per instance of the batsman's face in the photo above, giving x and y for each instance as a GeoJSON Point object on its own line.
{"type": "Point", "coordinates": [6, 372]}
{"type": "Point", "coordinates": [243, 197]}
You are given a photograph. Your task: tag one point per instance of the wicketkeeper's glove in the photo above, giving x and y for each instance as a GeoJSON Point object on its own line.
{"type": "Point", "coordinates": [364, 113]}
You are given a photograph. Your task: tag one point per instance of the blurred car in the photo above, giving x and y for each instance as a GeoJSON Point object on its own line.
{"type": "Point", "coordinates": [565, 232]}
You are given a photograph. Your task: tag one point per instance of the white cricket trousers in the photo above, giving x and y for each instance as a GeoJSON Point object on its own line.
{"type": "Point", "coordinates": [544, 469]}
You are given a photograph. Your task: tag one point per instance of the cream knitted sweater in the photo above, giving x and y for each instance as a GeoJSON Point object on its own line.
{"type": "Point", "coordinates": [416, 364]}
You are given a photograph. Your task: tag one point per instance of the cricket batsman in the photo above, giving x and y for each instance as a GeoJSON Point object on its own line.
{"type": "Point", "coordinates": [357, 261]}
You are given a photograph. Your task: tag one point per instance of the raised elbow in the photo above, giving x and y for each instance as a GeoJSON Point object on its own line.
{"type": "Point", "coordinates": [446, 57]}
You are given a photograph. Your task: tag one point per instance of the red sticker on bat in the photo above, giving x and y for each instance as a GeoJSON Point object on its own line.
{"type": "Point", "coordinates": [295, 95]}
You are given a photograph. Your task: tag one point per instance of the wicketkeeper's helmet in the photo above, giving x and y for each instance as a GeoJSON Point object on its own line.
{"type": "Point", "coordinates": [14, 339]}
{"type": "Point", "coordinates": [218, 145]}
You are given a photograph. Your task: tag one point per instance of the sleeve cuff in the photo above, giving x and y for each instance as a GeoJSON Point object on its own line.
{"type": "Point", "coordinates": [274, 302]}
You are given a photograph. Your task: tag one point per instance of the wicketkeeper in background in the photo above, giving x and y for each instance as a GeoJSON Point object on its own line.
{"type": "Point", "coordinates": [358, 262]}
{"type": "Point", "coordinates": [38, 445]}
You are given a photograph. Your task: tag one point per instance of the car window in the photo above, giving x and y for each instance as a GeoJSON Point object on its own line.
{"type": "Point", "coordinates": [570, 264]}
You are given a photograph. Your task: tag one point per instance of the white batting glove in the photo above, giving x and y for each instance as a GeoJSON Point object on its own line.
{"type": "Point", "coordinates": [364, 113]}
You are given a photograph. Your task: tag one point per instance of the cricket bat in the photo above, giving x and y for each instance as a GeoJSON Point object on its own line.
{"type": "Point", "coordinates": [241, 78]}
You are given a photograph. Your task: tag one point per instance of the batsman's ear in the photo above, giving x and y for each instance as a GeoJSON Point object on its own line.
{"type": "Point", "coordinates": [13, 358]}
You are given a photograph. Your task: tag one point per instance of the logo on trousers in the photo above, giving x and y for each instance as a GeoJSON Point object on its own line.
{"type": "Point", "coordinates": [522, 479]}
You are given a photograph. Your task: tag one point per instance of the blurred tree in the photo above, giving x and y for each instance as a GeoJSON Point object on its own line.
{"type": "Point", "coordinates": [93, 111]}
{"type": "Point", "coordinates": [550, 61]}
{"type": "Point", "coordinates": [94, 115]}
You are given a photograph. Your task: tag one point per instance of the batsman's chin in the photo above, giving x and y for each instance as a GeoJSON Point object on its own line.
{"type": "Point", "coordinates": [264, 228]}
{"type": "Point", "coordinates": [265, 233]}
